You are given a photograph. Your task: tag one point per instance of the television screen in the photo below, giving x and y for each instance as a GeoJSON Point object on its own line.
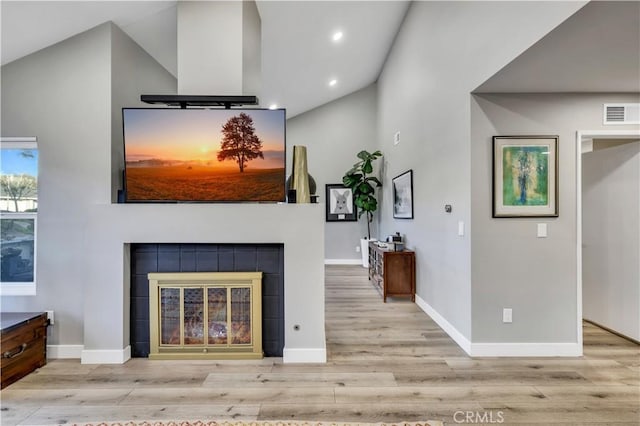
{"type": "Point", "coordinates": [204, 155]}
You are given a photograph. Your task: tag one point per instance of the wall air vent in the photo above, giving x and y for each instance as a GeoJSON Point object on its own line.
{"type": "Point", "coordinates": [621, 113]}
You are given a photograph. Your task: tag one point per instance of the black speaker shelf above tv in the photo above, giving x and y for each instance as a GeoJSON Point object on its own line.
{"type": "Point", "coordinates": [184, 101]}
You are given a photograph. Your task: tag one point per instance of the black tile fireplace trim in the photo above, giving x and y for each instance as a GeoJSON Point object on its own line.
{"type": "Point", "coordinates": [168, 257]}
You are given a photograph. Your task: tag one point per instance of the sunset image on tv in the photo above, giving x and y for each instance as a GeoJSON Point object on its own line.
{"type": "Point", "coordinates": [204, 155]}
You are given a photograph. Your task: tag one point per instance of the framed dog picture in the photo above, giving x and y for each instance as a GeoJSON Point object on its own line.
{"type": "Point", "coordinates": [340, 204]}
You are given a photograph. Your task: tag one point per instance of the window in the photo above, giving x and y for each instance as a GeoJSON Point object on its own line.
{"type": "Point", "coordinates": [18, 215]}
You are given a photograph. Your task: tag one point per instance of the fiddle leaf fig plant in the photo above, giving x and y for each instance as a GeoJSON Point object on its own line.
{"type": "Point", "coordinates": [363, 185]}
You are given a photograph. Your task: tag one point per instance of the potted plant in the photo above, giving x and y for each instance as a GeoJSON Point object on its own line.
{"type": "Point", "coordinates": [363, 186]}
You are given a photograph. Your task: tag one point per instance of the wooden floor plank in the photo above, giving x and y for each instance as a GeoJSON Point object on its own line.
{"type": "Point", "coordinates": [39, 397]}
{"type": "Point", "coordinates": [234, 395]}
{"type": "Point", "coordinates": [299, 380]}
{"type": "Point", "coordinates": [49, 415]}
{"type": "Point", "coordinates": [374, 413]}
{"type": "Point", "coordinates": [433, 394]}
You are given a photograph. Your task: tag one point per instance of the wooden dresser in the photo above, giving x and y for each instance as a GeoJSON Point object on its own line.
{"type": "Point", "coordinates": [393, 273]}
{"type": "Point", "coordinates": [24, 344]}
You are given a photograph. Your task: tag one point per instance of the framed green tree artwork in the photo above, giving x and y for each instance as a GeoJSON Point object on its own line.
{"type": "Point", "coordinates": [525, 176]}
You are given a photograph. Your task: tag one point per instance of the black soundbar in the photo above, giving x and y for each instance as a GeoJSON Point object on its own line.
{"type": "Point", "coordinates": [184, 101]}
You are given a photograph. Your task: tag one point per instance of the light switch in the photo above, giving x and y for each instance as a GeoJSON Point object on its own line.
{"type": "Point", "coordinates": [542, 230]}
{"type": "Point", "coordinates": [396, 138]}
{"type": "Point", "coordinates": [507, 315]}
{"type": "Point", "coordinates": [461, 228]}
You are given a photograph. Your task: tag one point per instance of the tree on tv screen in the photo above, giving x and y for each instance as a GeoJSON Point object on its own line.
{"type": "Point", "coordinates": [240, 142]}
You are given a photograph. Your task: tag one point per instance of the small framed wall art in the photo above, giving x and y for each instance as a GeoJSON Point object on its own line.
{"type": "Point", "coordinates": [525, 176]}
{"type": "Point", "coordinates": [340, 204]}
{"type": "Point", "coordinates": [403, 195]}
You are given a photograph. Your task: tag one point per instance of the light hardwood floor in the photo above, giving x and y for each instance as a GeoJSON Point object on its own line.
{"type": "Point", "coordinates": [387, 363]}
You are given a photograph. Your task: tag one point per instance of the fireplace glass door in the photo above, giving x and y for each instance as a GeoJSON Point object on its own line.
{"type": "Point", "coordinates": [219, 318]}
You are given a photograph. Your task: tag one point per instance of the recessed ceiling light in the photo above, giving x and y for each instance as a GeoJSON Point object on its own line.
{"type": "Point", "coordinates": [337, 36]}
{"type": "Point", "coordinates": [333, 82]}
{"type": "Point", "coordinates": [273, 106]}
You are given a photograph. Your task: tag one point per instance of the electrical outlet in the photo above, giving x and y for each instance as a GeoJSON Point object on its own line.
{"type": "Point", "coordinates": [358, 249]}
{"type": "Point", "coordinates": [50, 317]}
{"type": "Point", "coordinates": [507, 315]}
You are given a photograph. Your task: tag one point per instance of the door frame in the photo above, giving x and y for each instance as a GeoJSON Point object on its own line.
{"type": "Point", "coordinates": [584, 138]}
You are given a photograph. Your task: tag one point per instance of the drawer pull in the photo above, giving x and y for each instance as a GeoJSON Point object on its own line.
{"type": "Point", "coordinates": [9, 355]}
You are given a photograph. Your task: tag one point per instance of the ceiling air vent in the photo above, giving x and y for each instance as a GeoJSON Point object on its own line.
{"type": "Point", "coordinates": [621, 113]}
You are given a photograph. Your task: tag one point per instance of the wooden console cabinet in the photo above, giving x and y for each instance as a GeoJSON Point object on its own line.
{"type": "Point", "coordinates": [393, 273]}
{"type": "Point", "coordinates": [24, 344]}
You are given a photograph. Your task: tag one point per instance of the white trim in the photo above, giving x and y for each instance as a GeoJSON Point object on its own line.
{"type": "Point", "coordinates": [525, 349]}
{"type": "Point", "coordinates": [26, 142]}
{"type": "Point", "coordinates": [18, 289]}
{"type": "Point", "coordinates": [64, 351]}
{"type": "Point", "coordinates": [343, 261]}
{"type": "Point", "coordinates": [448, 328]}
{"type": "Point", "coordinates": [579, 236]}
{"type": "Point", "coordinates": [499, 349]}
{"type": "Point", "coordinates": [304, 355]}
{"type": "Point", "coordinates": [580, 136]}
{"type": "Point", "coordinates": [106, 356]}
{"type": "Point", "coordinates": [608, 134]}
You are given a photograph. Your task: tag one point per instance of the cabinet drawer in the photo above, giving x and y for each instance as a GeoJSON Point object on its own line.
{"type": "Point", "coordinates": [22, 357]}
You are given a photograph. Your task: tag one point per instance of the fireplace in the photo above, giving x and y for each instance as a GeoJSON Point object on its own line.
{"type": "Point", "coordinates": [205, 315]}
{"type": "Point", "coordinates": [154, 258]}
{"type": "Point", "coordinates": [284, 241]}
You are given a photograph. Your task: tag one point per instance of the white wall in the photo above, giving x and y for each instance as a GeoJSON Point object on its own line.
{"type": "Point", "coordinates": [443, 52]}
{"type": "Point", "coordinates": [333, 134]}
{"type": "Point", "coordinates": [251, 50]}
{"type": "Point", "coordinates": [511, 267]}
{"type": "Point", "coordinates": [133, 73]}
{"type": "Point", "coordinates": [210, 47]}
{"type": "Point", "coordinates": [62, 95]}
{"type": "Point", "coordinates": [611, 237]}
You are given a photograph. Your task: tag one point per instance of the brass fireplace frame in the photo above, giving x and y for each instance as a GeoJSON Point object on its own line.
{"type": "Point", "coordinates": [205, 280]}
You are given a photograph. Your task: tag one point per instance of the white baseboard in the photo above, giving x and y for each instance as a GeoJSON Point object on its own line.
{"type": "Point", "coordinates": [306, 355]}
{"type": "Point", "coordinates": [453, 332]}
{"type": "Point", "coordinates": [106, 356]}
{"type": "Point", "coordinates": [64, 351]}
{"type": "Point", "coordinates": [525, 349]}
{"type": "Point", "coordinates": [500, 349]}
{"type": "Point", "coordinates": [343, 261]}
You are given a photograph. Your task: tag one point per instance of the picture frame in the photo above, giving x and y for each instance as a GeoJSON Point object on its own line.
{"type": "Point", "coordinates": [403, 195]}
{"type": "Point", "coordinates": [525, 176]}
{"type": "Point", "coordinates": [340, 203]}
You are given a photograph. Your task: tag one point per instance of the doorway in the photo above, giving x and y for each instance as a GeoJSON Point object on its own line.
{"type": "Point", "coordinates": [608, 231]}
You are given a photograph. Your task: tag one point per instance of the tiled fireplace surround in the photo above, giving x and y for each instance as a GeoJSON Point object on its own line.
{"type": "Point", "coordinates": [265, 258]}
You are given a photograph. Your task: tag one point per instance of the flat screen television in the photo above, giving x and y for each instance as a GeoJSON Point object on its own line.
{"type": "Point", "coordinates": [204, 155]}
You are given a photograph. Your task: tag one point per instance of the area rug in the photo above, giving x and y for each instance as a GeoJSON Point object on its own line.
{"type": "Point", "coordinates": [255, 423]}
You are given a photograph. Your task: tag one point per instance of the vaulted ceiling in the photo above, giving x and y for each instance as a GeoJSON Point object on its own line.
{"type": "Point", "coordinates": [597, 49]}
{"type": "Point", "coordinates": [299, 56]}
